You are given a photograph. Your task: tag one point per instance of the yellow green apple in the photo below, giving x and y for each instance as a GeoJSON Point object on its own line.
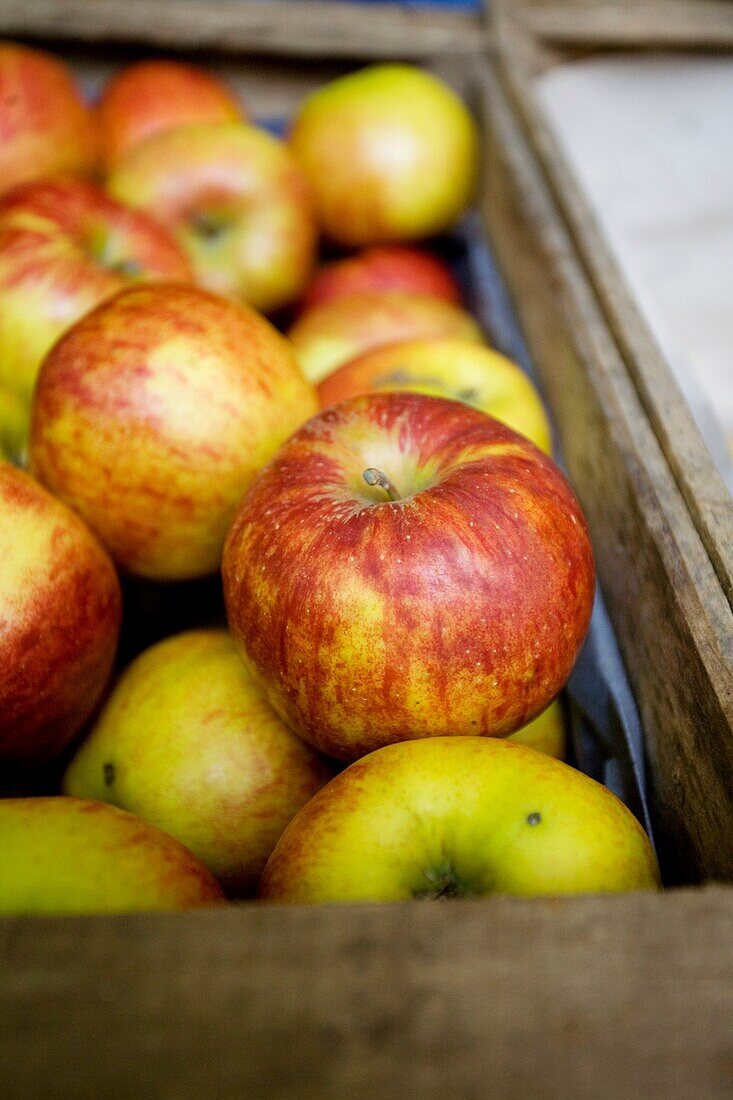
{"type": "Point", "coordinates": [461, 369]}
{"type": "Point", "coordinates": [545, 733]}
{"type": "Point", "coordinates": [75, 856]}
{"type": "Point", "coordinates": [14, 423]}
{"type": "Point", "coordinates": [236, 201]}
{"type": "Point", "coordinates": [407, 567]}
{"type": "Point", "coordinates": [337, 330]}
{"type": "Point", "coordinates": [60, 612]}
{"type": "Point", "coordinates": [188, 742]}
{"type": "Point", "coordinates": [390, 152]}
{"type": "Point", "coordinates": [458, 817]}
{"type": "Point", "coordinates": [153, 414]}
{"type": "Point", "coordinates": [65, 246]}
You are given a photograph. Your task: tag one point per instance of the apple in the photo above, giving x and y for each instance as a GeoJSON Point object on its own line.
{"type": "Point", "coordinates": [60, 611]}
{"type": "Point", "coordinates": [330, 334]}
{"type": "Point", "coordinates": [188, 742]}
{"type": "Point", "coordinates": [237, 202]}
{"type": "Point", "coordinates": [74, 856]}
{"type": "Point", "coordinates": [14, 418]}
{"type": "Point", "coordinates": [381, 269]}
{"type": "Point", "coordinates": [158, 94]}
{"type": "Point", "coordinates": [153, 414]}
{"type": "Point", "coordinates": [64, 247]}
{"type": "Point", "coordinates": [545, 733]}
{"type": "Point", "coordinates": [458, 817]}
{"type": "Point", "coordinates": [45, 127]}
{"type": "Point", "coordinates": [407, 567]}
{"type": "Point", "coordinates": [461, 369]}
{"type": "Point", "coordinates": [391, 153]}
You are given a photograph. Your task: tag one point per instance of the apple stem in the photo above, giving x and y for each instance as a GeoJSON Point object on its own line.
{"type": "Point", "coordinates": [373, 476]}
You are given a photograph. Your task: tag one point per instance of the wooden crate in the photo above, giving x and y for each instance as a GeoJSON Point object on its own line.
{"type": "Point", "coordinates": [587, 997]}
{"type": "Point", "coordinates": [673, 615]}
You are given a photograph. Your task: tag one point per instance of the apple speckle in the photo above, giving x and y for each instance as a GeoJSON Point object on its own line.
{"type": "Point", "coordinates": [109, 774]}
{"type": "Point", "coordinates": [534, 818]}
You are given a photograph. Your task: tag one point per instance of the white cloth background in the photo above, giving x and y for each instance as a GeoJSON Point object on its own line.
{"type": "Point", "coordinates": [651, 142]}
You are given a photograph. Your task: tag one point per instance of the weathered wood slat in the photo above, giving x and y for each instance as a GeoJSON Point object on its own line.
{"type": "Point", "coordinates": [307, 29]}
{"type": "Point", "coordinates": [672, 618]}
{"type": "Point", "coordinates": [621, 997]}
{"type": "Point", "coordinates": [702, 487]}
{"type": "Point", "coordinates": [693, 24]}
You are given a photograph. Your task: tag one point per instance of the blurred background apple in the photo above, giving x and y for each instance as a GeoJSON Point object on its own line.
{"type": "Point", "coordinates": [159, 94]}
{"type": "Point", "coordinates": [391, 154]}
{"type": "Point", "coordinates": [330, 334]}
{"type": "Point", "coordinates": [65, 246]}
{"type": "Point", "coordinates": [47, 130]}
{"type": "Point", "coordinates": [235, 199]}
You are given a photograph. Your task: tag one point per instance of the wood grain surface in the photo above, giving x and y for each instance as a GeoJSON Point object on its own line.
{"type": "Point", "coordinates": [671, 24]}
{"type": "Point", "coordinates": [702, 487]}
{"type": "Point", "coordinates": [307, 28]}
{"type": "Point", "coordinates": [670, 612]}
{"type": "Point", "coordinates": [621, 997]}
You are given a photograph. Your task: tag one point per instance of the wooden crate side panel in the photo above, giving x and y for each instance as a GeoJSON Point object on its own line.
{"type": "Point", "coordinates": [702, 487]}
{"type": "Point", "coordinates": [587, 997]}
{"type": "Point", "coordinates": [665, 601]}
{"type": "Point", "coordinates": [594, 24]}
{"type": "Point", "coordinates": [308, 28]}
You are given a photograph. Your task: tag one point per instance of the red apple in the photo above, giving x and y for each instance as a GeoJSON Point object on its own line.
{"type": "Point", "coordinates": [45, 127]}
{"type": "Point", "coordinates": [336, 331]}
{"type": "Point", "coordinates": [381, 269]}
{"type": "Point", "coordinates": [390, 152]}
{"type": "Point", "coordinates": [154, 95]}
{"type": "Point", "coordinates": [60, 609]}
{"type": "Point", "coordinates": [407, 567]}
{"type": "Point", "coordinates": [65, 246]}
{"type": "Point", "coordinates": [153, 414]}
{"type": "Point", "coordinates": [463, 370]}
{"type": "Point", "coordinates": [237, 202]}
{"type": "Point", "coordinates": [456, 817]}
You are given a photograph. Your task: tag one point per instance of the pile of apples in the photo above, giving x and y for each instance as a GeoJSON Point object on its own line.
{"type": "Point", "coordinates": [407, 575]}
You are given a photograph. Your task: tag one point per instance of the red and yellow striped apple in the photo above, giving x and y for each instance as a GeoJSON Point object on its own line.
{"type": "Point", "coordinates": [390, 152]}
{"type": "Point", "coordinates": [330, 334]}
{"type": "Point", "coordinates": [460, 369]}
{"type": "Point", "coordinates": [459, 817]}
{"type": "Point", "coordinates": [159, 94]}
{"type": "Point", "coordinates": [237, 202]}
{"type": "Point", "coordinates": [60, 611]}
{"type": "Point", "coordinates": [382, 269]}
{"type": "Point", "coordinates": [45, 127]}
{"type": "Point", "coordinates": [188, 742]}
{"type": "Point", "coordinates": [74, 856]}
{"type": "Point", "coordinates": [65, 246]}
{"type": "Point", "coordinates": [406, 567]}
{"type": "Point", "coordinates": [153, 414]}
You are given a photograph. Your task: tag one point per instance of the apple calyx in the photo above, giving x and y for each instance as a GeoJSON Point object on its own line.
{"type": "Point", "coordinates": [443, 882]}
{"type": "Point", "coordinates": [373, 476]}
{"type": "Point", "coordinates": [209, 225]}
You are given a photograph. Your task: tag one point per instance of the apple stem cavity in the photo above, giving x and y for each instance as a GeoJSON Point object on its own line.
{"type": "Point", "coordinates": [373, 476]}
